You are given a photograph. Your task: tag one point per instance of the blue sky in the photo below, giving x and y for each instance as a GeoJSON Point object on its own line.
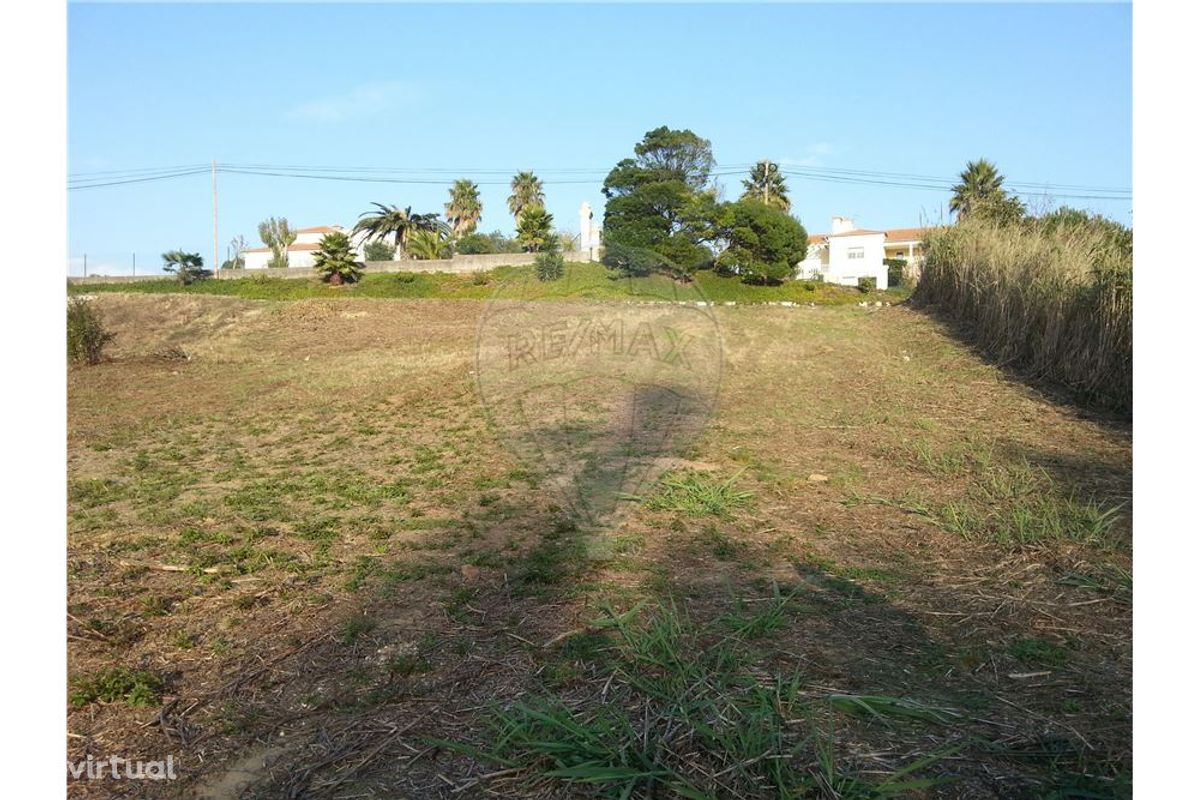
{"type": "Point", "coordinates": [1043, 90]}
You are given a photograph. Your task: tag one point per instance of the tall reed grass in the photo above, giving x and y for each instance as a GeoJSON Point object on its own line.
{"type": "Point", "coordinates": [1049, 297]}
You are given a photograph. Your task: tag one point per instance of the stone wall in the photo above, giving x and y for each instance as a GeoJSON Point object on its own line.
{"type": "Point", "coordinates": [459, 265]}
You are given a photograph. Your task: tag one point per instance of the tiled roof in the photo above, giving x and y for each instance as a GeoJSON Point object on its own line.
{"type": "Point", "coordinates": [257, 250]}
{"type": "Point", "coordinates": [893, 235]}
{"type": "Point", "coordinates": [318, 229]}
{"type": "Point", "coordinates": [855, 232]}
{"type": "Point", "coordinates": [906, 234]}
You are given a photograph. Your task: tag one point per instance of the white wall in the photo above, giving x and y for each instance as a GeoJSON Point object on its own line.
{"type": "Point", "coordinates": [257, 260]}
{"type": "Point", "coordinates": [816, 262]}
{"type": "Point", "coordinates": [297, 259]}
{"type": "Point", "coordinates": [308, 238]}
{"type": "Point", "coordinates": [845, 270]}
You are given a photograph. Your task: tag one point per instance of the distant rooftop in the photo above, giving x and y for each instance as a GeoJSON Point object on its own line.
{"type": "Point", "coordinates": [892, 235]}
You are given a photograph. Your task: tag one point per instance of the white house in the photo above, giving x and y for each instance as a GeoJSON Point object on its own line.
{"type": "Point", "coordinates": [300, 252]}
{"type": "Point", "coordinates": [847, 253]}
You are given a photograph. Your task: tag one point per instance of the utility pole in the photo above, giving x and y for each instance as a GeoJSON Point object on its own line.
{"type": "Point", "coordinates": [85, 265]}
{"type": "Point", "coordinates": [215, 248]}
{"type": "Point", "coordinates": [135, 265]}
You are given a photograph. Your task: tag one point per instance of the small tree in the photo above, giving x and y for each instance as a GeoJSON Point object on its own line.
{"type": "Point", "coordinates": [278, 236]}
{"type": "Point", "coordinates": [237, 259]}
{"type": "Point", "coordinates": [378, 250]}
{"type": "Point", "coordinates": [86, 335]}
{"type": "Point", "coordinates": [764, 243]}
{"type": "Point", "coordinates": [188, 267]}
{"type": "Point", "coordinates": [335, 260]}
{"type": "Point", "coordinates": [651, 203]}
{"type": "Point", "coordinates": [535, 230]}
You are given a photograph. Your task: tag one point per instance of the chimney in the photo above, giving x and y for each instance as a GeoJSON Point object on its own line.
{"type": "Point", "coordinates": [842, 224]}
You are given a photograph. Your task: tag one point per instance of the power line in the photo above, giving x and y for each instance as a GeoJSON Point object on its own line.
{"type": "Point", "coordinates": [574, 175]}
{"type": "Point", "coordinates": [858, 175]}
{"type": "Point", "coordinates": [111, 173]}
{"type": "Point", "coordinates": [277, 173]}
{"type": "Point", "coordinates": [950, 181]}
{"type": "Point", "coordinates": [434, 170]}
{"type": "Point", "coordinates": [97, 185]}
{"type": "Point", "coordinates": [948, 187]}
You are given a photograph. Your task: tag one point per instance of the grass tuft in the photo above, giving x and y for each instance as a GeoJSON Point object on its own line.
{"type": "Point", "coordinates": [699, 495]}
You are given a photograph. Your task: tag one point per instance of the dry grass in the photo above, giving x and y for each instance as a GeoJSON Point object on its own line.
{"type": "Point", "coordinates": [1053, 301]}
{"type": "Point", "coordinates": [307, 540]}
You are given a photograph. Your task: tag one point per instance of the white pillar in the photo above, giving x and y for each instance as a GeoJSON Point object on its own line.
{"type": "Point", "coordinates": [585, 230]}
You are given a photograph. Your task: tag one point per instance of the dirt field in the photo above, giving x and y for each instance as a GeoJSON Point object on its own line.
{"type": "Point", "coordinates": [302, 562]}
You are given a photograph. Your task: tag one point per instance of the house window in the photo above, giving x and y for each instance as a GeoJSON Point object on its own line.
{"type": "Point", "coordinates": [857, 252]}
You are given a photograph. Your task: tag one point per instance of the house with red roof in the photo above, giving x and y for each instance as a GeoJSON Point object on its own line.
{"type": "Point", "coordinates": [847, 253]}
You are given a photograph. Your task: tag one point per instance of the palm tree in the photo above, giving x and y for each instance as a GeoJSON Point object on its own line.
{"type": "Point", "coordinates": [187, 267]}
{"type": "Point", "coordinates": [464, 209]}
{"type": "Point", "coordinates": [535, 230]}
{"type": "Point", "coordinates": [335, 260]}
{"type": "Point", "coordinates": [980, 185]}
{"type": "Point", "coordinates": [401, 222]}
{"type": "Point", "coordinates": [526, 192]}
{"type": "Point", "coordinates": [767, 185]}
{"type": "Point", "coordinates": [430, 245]}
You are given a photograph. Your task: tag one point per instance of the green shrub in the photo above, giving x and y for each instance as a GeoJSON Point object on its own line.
{"type": "Point", "coordinates": [896, 268]}
{"type": "Point", "coordinates": [484, 243]}
{"type": "Point", "coordinates": [86, 335]}
{"type": "Point", "coordinates": [135, 687]}
{"type": "Point", "coordinates": [867, 284]}
{"type": "Point", "coordinates": [550, 266]}
{"type": "Point", "coordinates": [480, 278]}
{"type": "Point", "coordinates": [378, 250]}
